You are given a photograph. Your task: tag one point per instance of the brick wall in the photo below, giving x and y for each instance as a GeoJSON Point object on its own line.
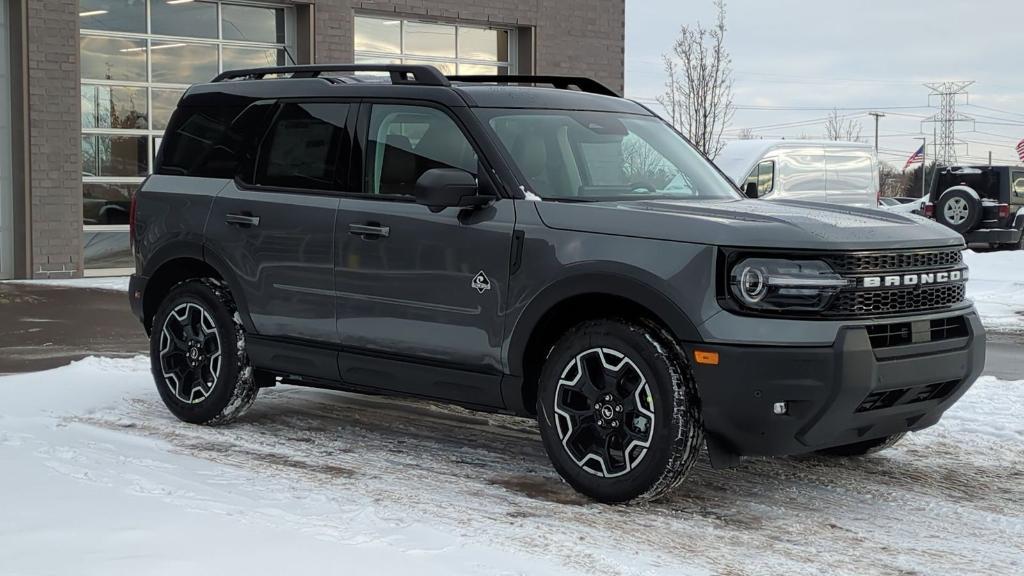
{"type": "Point", "coordinates": [54, 121]}
{"type": "Point", "coordinates": [573, 37]}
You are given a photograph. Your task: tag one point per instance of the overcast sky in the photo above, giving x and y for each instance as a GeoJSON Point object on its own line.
{"type": "Point", "coordinates": [856, 54]}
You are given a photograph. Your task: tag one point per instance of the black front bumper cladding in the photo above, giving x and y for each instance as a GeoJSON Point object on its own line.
{"type": "Point", "coordinates": [842, 394]}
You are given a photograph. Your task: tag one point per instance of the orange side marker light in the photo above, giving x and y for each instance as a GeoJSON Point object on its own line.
{"type": "Point", "coordinates": [703, 357]}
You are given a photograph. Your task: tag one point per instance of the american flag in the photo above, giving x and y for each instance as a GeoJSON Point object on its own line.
{"type": "Point", "coordinates": [919, 156]}
{"type": "Point", "coordinates": [1020, 150]}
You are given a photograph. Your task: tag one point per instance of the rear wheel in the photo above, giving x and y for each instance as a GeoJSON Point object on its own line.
{"type": "Point", "coordinates": [197, 354]}
{"type": "Point", "coordinates": [959, 210]}
{"type": "Point", "coordinates": [618, 410]}
{"type": "Point", "coordinates": [863, 448]}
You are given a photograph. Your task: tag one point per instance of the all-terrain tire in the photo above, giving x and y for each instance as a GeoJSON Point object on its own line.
{"type": "Point", "coordinates": [641, 379]}
{"type": "Point", "coordinates": [959, 210]}
{"type": "Point", "coordinates": [234, 387]}
{"type": "Point", "coordinates": [863, 448]}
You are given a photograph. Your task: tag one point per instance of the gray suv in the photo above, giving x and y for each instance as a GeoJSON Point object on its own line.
{"type": "Point", "coordinates": [554, 252]}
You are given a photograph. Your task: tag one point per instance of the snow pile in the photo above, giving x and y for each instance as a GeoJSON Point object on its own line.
{"type": "Point", "coordinates": [97, 478]}
{"type": "Point", "coordinates": [116, 283]}
{"type": "Point", "coordinates": [997, 287]}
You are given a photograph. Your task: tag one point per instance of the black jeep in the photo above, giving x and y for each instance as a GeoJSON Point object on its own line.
{"type": "Point", "coordinates": [983, 203]}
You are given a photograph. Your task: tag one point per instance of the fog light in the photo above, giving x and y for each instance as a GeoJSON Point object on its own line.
{"type": "Point", "coordinates": [780, 408]}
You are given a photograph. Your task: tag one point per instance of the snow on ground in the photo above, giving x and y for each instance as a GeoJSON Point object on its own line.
{"type": "Point", "coordinates": [118, 283]}
{"type": "Point", "coordinates": [98, 478]}
{"type": "Point", "coordinates": [997, 287]}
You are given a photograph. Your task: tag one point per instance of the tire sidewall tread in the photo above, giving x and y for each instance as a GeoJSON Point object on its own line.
{"type": "Point", "coordinates": [235, 389]}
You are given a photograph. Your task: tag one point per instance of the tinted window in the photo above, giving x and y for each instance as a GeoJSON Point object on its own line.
{"type": "Point", "coordinates": [307, 148]}
{"type": "Point", "coordinates": [208, 141]}
{"type": "Point", "coordinates": [763, 175]}
{"type": "Point", "coordinates": [406, 141]}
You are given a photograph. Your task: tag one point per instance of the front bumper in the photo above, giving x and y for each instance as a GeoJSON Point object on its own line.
{"type": "Point", "coordinates": [848, 392]}
{"type": "Point", "coordinates": [993, 236]}
{"type": "Point", "coordinates": [136, 289]}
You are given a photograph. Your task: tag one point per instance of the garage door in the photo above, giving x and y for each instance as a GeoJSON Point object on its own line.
{"type": "Point", "coordinates": [6, 194]}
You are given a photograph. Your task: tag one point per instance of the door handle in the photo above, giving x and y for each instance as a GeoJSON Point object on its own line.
{"type": "Point", "coordinates": [243, 220]}
{"type": "Point", "coordinates": [369, 230]}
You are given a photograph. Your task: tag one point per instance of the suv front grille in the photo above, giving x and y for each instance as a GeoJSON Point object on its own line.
{"type": "Point", "coordinates": [857, 300]}
{"type": "Point", "coordinates": [917, 332]}
{"type": "Point", "coordinates": [887, 261]}
{"type": "Point", "coordinates": [904, 396]}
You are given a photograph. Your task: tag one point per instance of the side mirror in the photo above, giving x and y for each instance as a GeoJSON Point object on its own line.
{"type": "Point", "coordinates": [750, 189]}
{"type": "Point", "coordinates": [441, 188]}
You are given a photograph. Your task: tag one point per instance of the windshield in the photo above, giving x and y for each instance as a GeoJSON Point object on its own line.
{"type": "Point", "coordinates": [592, 156]}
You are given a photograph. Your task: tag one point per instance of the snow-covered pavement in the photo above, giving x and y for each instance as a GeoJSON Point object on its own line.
{"type": "Point", "coordinates": [997, 287]}
{"type": "Point", "coordinates": [97, 478]}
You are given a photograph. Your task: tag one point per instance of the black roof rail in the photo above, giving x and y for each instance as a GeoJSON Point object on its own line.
{"type": "Point", "coordinates": [581, 83]}
{"type": "Point", "coordinates": [400, 73]}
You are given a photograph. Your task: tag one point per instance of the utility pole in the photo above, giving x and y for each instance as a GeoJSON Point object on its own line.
{"type": "Point", "coordinates": [877, 116]}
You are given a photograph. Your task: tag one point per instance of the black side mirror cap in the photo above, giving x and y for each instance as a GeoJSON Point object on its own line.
{"type": "Point", "coordinates": [750, 190]}
{"type": "Point", "coordinates": [441, 188]}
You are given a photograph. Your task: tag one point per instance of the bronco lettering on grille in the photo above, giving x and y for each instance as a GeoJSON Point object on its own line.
{"type": "Point", "coordinates": [921, 279]}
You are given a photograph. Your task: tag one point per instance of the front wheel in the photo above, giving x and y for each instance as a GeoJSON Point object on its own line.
{"type": "Point", "coordinates": [618, 410]}
{"type": "Point", "coordinates": [197, 354]}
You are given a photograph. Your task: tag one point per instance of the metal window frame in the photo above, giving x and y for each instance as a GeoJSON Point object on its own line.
{"type": "Point", "coordinates": [511, 64]}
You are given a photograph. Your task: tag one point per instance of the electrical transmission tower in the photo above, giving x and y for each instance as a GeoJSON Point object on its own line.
{"type": "Point", "coordinates": [945, 141]}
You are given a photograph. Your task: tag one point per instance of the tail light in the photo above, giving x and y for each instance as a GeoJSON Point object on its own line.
{"type": "Point", "coordinates": [1004, 211]}
{"type": "Point", "coordinates": [928, 211]}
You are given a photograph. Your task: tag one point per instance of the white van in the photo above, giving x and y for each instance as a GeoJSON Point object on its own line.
{"type": "Point", "coordinates": [814, 170]}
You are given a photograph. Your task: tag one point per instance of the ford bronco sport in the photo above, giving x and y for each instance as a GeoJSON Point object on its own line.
{"type": "Point", "coordinates": [552, 252]}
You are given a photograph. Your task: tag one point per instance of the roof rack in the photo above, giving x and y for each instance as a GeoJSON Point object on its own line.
{"type": "Point", "coordinates": [581, 83]}
{"type": "Point", "coordinates": [400, 74]}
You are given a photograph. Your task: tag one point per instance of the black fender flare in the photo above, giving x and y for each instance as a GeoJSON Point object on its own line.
{"type": "Point", "coordinates": [195, 249]}
{"type": "Point", "coordinates": [624, 282]}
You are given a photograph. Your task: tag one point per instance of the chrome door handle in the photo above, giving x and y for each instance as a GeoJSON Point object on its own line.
{"type": "Point", "coordinates": [245, 220]}
{"type": "Point", "coordinates": [369, 230]}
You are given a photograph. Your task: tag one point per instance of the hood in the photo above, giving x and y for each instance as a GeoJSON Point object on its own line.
{"type": "Point", "coordinates": [752, 223]}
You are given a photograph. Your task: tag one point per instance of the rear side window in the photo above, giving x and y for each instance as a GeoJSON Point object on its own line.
{"type": "Point", "coordinates": [1017, 184]}
{"type": "Point", "coordinates": [308, 148]}
{"type": "Point", "coordinates": [202, 141]}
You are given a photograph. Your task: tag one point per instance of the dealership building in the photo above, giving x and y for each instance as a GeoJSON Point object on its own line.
{"type": "Point", "coordinates": [87, 86]}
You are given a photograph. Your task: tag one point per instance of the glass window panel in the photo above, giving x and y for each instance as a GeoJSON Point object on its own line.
{"type": "Point", "coordinates": [112, 15]}
{"type": "Point", "coordinates": [252, 23]}
{"type": "Point", "coordinates": [406, 141]}
{"type": "Point", "coordinates": [106, 204]}
{"type": "Point", "coordinates": [307, 148]}
{"type": "Point", "coordinates": [377, 35]}
{"type": "Point", "coordinates": [235, 58]}
{"type": "Point", "coordinates": [107, 250]}
{"type": "Point", "coordinates": [426, 39]}
{"type": "Point", "coordinates": [104, 155]}
{"type": "Point", "coordinates": [483, 44]}
{"type": "Point", "coordinates": [113, 59]}
{"type": "Point", "coordinates": [446, 68]}
{"type": "Point", "coordinates": [164, 103]}
{"type": "Point", "coordinates": [114, 107]}
{"type": "Point", "coordinates": [181, 63]}
{"type": "Point", "coordinates": [377, 60]}
{"type": "Point", "coordinates": [195, 19]}
{"type": "Point", "coordinates": [481, 69]}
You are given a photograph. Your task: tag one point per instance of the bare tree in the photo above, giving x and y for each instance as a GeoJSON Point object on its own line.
{"type": "Point", "coordinates": [698, 88]}
{"type": "Point", "coordinates": [643, 164]}
{"type": "Point", "coordinates": [746, 134]}
{"type": "Point", "coordinates": [841, 129]}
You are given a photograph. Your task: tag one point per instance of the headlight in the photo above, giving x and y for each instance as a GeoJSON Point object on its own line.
{"type": "Point", "coordinates": [776, 285]}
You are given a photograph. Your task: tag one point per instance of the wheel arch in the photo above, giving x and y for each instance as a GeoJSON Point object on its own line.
{"type": "Point", "coordinates": [179, 262]}
{"type": "Point", "coordinates": [573, 300]}
{"type": "Point", "coordinates": [966, 189]}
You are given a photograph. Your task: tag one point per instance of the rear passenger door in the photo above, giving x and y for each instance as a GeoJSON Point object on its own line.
{"type": "Point", "coordinates": [274, 224]}
{"type": "Point", "coordinates": [415, 285]}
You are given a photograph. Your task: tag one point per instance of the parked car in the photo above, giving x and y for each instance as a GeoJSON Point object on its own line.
{"type": "Point", "coordinates": [818, 171]}
{"type": "Point", "coordinates": [981, 202]}
{"type": "Point", "coordinates": [556, 253]}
